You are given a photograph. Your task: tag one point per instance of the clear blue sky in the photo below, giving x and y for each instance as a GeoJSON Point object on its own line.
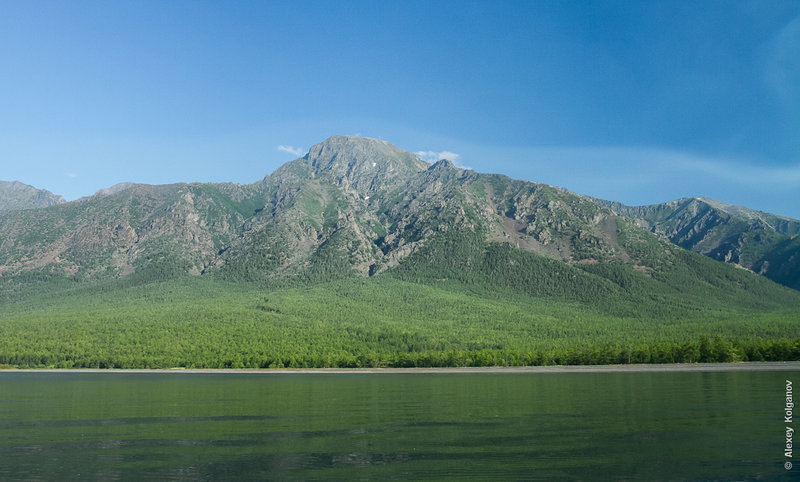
{"type": "Point", "coordinates": [635, 101]}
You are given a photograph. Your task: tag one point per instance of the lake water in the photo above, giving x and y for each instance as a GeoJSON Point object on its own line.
{"type": "Point", "coordinates": [644, 426]}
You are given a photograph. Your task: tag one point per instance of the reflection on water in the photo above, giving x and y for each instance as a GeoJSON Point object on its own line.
{"type": "Point", "coordinates": [403, 426]}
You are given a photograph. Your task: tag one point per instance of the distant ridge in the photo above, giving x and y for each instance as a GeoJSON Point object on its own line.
{"type": "Point", "coordinates": [16, 195]}
{"type": "Point", "coordinates": [765, 243]}
{"type": "Point", "coordinates": [114, 189]}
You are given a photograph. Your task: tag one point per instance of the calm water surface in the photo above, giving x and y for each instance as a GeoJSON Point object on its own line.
{"type": "Point", "coordinates": [646, 426]}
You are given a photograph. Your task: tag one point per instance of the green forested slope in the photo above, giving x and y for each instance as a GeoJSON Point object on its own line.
{"type": "Point", "coordinates": [570, 316]}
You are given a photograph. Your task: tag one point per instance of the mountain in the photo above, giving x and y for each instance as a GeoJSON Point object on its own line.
{"type": "Point", "coordinates": [361, 254]}
{"type": "Point", "coordinates": [764, 243]}
{"type": "Point", "coordinates": [355, 206]}
{"type": "Point", "coordinates": [16, 195]}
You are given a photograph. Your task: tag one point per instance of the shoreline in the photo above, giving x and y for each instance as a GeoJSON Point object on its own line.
{"type": "Point", "coordinates": [634, 368]}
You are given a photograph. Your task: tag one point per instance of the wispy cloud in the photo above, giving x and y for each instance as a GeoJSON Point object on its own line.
{"type": "Point", "coordinates": [661, 162]}
{"type": "Point", "coordinates": [291, 150]}
{"type": "Point", "coordinates": [783, 62]}
{"type": "Point", "coordinates": [71, 175]}
{"type": "Point", "coordinates": [740, 172]}
{"type": "Point", "coordinates": [433, 156]}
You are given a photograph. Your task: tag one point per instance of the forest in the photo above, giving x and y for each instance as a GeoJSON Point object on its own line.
{"type": "Point", "coordinates": [383, 321]}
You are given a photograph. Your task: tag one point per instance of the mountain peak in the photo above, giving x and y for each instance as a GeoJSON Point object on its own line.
{"type": "Point", "coordinates": [364, 164]}
{"type": "Point", "coordinates": [442, 164]}
{"type": "Point", "coordinates": [349, 149]}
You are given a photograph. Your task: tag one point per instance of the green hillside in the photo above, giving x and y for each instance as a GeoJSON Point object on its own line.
{"type": "Point", "coordinates": [570, 316]}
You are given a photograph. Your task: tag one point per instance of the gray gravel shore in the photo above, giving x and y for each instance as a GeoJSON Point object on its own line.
{"type": "Point", "coordinates": [671, 367]}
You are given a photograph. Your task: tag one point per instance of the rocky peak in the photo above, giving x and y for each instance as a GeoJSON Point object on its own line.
{"type": "Point", "coordinates": [360, 163]}
{"type": "Point", "coordinates": [443, 164]}
{"type": "Point", "coordinates": [348, 152]}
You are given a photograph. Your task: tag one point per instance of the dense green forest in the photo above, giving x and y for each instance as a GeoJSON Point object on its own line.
{"type": "Point", "coordinates": [544, 313]}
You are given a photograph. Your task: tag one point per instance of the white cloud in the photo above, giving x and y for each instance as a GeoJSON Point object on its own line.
{"type": "Point", "coordinates": [292, 150]}
{"type": "Point", "coordinates": [432, 156]}
{"type": "Point", "coordinates": [71, 175]}
{"type": "Point", "coordinates": [450, 156]}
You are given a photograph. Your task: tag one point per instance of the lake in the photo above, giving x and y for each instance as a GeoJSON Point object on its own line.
{"type": "Point", "coordinates": [548, 426]}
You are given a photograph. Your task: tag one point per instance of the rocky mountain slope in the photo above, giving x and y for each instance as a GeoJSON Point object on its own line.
{"type": "Point", "coordinates": [764, 243]}
{"type": "Point", "coordinates": [16, 195]}
{"type": "Point", "coordinates": [354, 207]}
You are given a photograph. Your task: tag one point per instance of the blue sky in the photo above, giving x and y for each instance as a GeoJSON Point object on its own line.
{"type": "Point", "coordinates": [635, 101]}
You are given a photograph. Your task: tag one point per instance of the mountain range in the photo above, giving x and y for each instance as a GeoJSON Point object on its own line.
{"type": "Point", "coordinates": [361, 254]}
{"type": "Point", "coordinates": [360, 206]}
